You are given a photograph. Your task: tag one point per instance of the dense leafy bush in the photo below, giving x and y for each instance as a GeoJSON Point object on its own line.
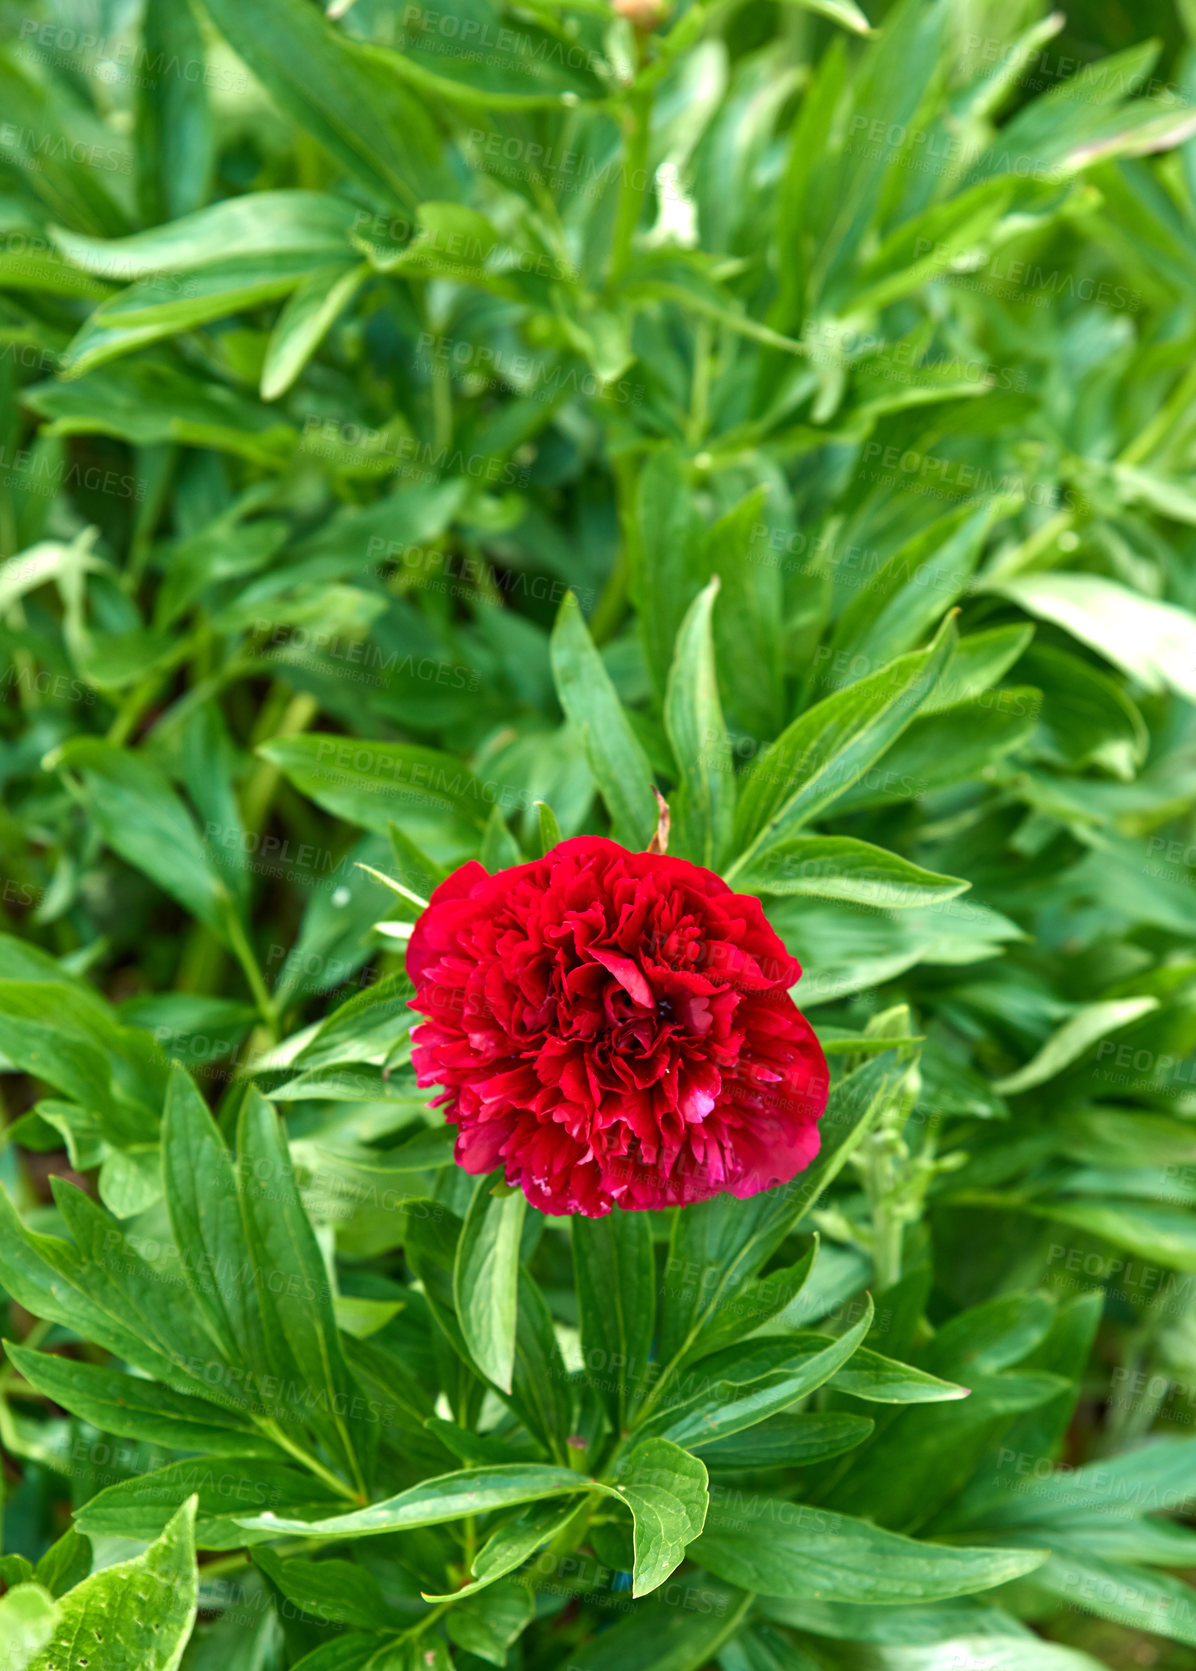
{"type": "Point", "coordinates": [425, 432]}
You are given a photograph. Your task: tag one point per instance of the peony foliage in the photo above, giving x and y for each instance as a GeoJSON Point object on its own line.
{"type": "Point", "coordinates": [597, 946]}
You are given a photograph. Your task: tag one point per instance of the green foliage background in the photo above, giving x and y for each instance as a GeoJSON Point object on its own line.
{"type": "Point", "coordinates": [423, 431]}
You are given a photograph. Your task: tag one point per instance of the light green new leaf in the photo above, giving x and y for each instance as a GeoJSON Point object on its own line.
{"type": "Point", "coordinates": [305, 320]}
{"type": "Point", "coordinates": [1086, 1027]}
{"type": "Point", "coordinates": [693, 719]}
{"type": "Point", "coordinates": [263, 223]}
{"type": "Point", "coordinates": [486, 1278]}
{"type": "Point", "coordinates": [593, 709]}
{"type": "Point", "coordinates": [28, 1615]}
{"type": "Point", "coordinates": [1152, 641]}
{"type": "Point", "coordinates": [137, 1613]}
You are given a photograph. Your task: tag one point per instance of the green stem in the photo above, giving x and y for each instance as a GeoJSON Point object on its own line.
{"type": "Point", "coordinates": [273, 1431]}
{"type": "Point", "coordinates": [259, 791]}
{"type": "Point", "coordinates": [442, 411]}
{"type": "Point", "coordinates": [699, 393]}
{"type": "Point", "coordinates": [881, 1182]}
{"type": "Point", "coordinates": [633, 188]}
{"type": "Point", "coordinates": [612, 604]}
{"type": "Point", "coordinates": [244, 954]}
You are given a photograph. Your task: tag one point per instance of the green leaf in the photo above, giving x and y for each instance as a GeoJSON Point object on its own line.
{"type": "Point", "coordinates": [694, 722]}
{"type": "Point", "coordinates": [800, 1551]}
{"type": "Point", "coordinates": [307, 317]}
{"type": "Point", "coordinates": [293, 1296]}
{"type": "Point", "coordinates": [840, 867]}
{"type": "Point", "coordinates": [1137, 1600]}
{"type": "Point", "coordinates": [1165, 1235]}
{"type": "Point", "coordinates": [718, 1246]}
{"type": "Point", "coordinates": [263, 223]}
{"type": "Point", "coordinates": [756, 1303]}
{"type": "Point", "coordinates": [371, 783]}
{"type": "Point", "coordinates": [27, 1620]}
{"type": "Point", "coordinates": [748, 621]}
{"type": "Point", "coordinates": [200, 1187]}
{"type": "Point", "coordinates": [339, 1592]}
{"type": "Point", "coordinates": [1152, 641]}
{"type": "Point", "coordinates": [164, 305]}
{"type": "Point", "coordinates": [665, 1488]}
{"type": "Point", "coordinates": [550, 830]}
{"type": "Point", "coordinates": [905, 598]}
{"type": "Point", "coordinates": [66, 1563]}
{"type": "Point", "coordinates": [513, 1543]}
{"type": "Point", "coordinates": [138, 1612]}
{"type": "Point", "coordinates": [141, 1506]}
{"type": "Point", "coordinates": [1090, 1024]}
{"type": "Point", "coordinates": [616, 1298]}
{"type": "Point", "coordinates": [666, 568]}
{"type": "Point", "coordinates": [500, 850]}
{"type": "Point", "coordinates": [486, 1278]}
{"type": "Point", "coordinates": [745, 1384]}
{"type": "Point", "coordinates": [940, 750]}
{"type": "Point", "coordinates": [487, 1625]}
{"type": "Point", "coordinates": [333, 87]}
{"type": "Point", "coordinates": [131, 1407]}
{"type": "Point", "coordinates": [829, 748]}
{"type": "Point", "coordinates": [787, 1442]}
{"type": "Point", "coordinates": [978, 661]}
{"type": "Point", "coordinates": [660, 1636]}
{"type": "Point", "coordinates": [139, 814]}
{"type": "Point", "coordinates": [881, 1380]}
{"type": "Point", "coordinates": [844, 12]}
{"type": "Point", "coordinates": [175, 134]}
{"type": "Point", "coordinates": [593, 709]}
{"type": "Point", "coordinates": [437, 1501]}
{"type": "Point", "coordinates": [102, 1289]}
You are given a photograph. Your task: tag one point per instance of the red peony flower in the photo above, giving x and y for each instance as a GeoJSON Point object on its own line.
{"type": "Point", "coordinates": [614, 1028]}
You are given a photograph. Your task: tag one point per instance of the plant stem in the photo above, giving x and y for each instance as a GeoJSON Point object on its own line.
{"type": "Point", "coordinates": [633, 189]}
{"type": "Point", "coordinates": [699, 392]}
{"type": "Point", "coordinates": [312, 1463]}
{"type": "Point", "coordinates": [244, 953]}
{"type": "Point", "coordinates": [259, 791]}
